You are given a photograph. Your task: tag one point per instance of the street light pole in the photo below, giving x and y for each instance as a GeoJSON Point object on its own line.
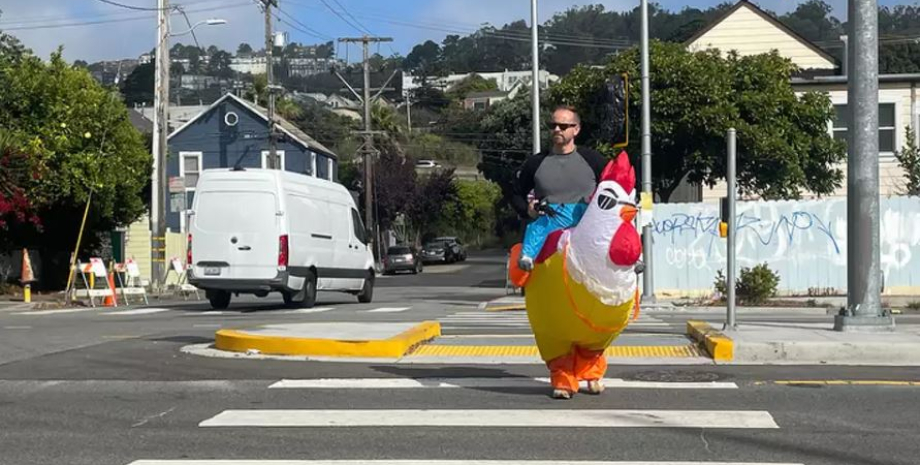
{"type": "Point", "coordinates": [160, 130]}
{"type": "Point", "coordinates": [535, 88]}
{"type": "Point", "coordinates": [648, 282]}
{"type": "Point", "coordinates": [864, 309]}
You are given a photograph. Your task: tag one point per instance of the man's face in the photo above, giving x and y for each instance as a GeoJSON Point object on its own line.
{"type": "Point", "coordinates": [564, 127]}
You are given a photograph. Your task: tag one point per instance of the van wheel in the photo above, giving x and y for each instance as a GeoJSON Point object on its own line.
{"type": "Point", "coordinates": [219, 299]}
{"type": "Point", "coordinates": [367, 292]}
{"type": "Point", "coordinates": [309, 291]}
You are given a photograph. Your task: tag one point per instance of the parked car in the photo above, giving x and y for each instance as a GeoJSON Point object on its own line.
{"type": "Point", "coordinates": [459, 251]}
{"type": "Point", "coordinates": [426, 164]}
{"type": "Point", "coordinates": [257, 231]}
{"type": "Point", "coordinates": [443, 250]}
{"type": "Point", "coordinates": [402, 258]}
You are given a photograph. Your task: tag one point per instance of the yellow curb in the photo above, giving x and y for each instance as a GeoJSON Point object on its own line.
{"type": "Point", "coordinates": [506, 308]}
{"type": "Point", "coordinates": [396, 346]}
{"type": "Point", "coordinates": [681, 351]}
{"type": "Point", "coordinates": [720, 347]}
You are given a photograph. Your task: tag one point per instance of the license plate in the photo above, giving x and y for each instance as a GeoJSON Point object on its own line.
{"type": "Point", "coordinates": [212, 271]}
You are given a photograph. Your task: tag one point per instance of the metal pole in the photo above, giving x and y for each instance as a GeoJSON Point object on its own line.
{"type": "Point", "coordinates": [864, 308]}
{"type": "Point", "coordinates": [648, 282]}
{"type": "Point", "coordinates": [732, 189]}
{"type": "Point", "coordinates": [368, 148]}
{"type": "Point", "coordinates": [161, 129]}
{"type": "Point", "coordinates": [535, 88]}
{"type": "Point", "coordinates": [273, 162]}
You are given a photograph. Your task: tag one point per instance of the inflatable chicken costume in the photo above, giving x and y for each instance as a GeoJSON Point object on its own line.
{"type": "Point", "coordinates": [583, 287]}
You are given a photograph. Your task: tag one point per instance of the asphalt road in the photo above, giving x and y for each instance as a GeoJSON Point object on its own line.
{"type": "Point", "coordinates": [113, 387]}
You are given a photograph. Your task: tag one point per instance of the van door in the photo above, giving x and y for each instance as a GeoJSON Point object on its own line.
{"type": "Point", "coordinates": [236, 234]}
{"type": "Point", "coordinates": [357, 250]}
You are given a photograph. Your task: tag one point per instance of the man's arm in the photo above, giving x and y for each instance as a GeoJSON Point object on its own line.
{"type": "Point", "coordinates": [522, 184]}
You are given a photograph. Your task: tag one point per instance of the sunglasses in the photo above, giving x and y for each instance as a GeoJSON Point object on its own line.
{"type": "Point", "coordinates": [562, 126]}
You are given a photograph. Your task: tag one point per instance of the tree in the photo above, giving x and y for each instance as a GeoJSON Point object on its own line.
{"type": "Point", "coordinates": [78, 143]}
{"type": "Point", "coordinates": [138, 87]}
{"type": "Point", "coordinates": [244, 49]}
{"type": "Point", "coordinates": [16, 172]}
{"type": "Point", "coordinates": [783, 144]}
{"type": "Point", "coordinates": [813, 21]}
{"type": "Point", "coordinates": [909, 158]}
{"type": "Point", "coordinates": [433, 193]}
{"type": "Point", "coordinates": [472, 83]}
{"type": "Point", "coordinates": [425, 60]}
{"type": "Point", "coordinates": [471, 213]}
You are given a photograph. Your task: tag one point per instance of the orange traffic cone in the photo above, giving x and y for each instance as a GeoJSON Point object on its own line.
{"type": "Point", "coordinates": [110, 299]}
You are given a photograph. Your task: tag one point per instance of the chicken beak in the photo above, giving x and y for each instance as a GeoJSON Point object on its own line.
{"type": "Point", "coordinates": [628, 212]}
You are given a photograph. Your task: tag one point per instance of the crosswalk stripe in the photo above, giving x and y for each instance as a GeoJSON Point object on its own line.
{"type": "Point", "coordinates": [545, 418]}
{"type": "Point", "coordinates": [428, 462]}
{"type": "Point", "coordinates": [388, 310]}
{"type": "Point", "coordinates": [309, 310]}
{"type": "Point", "coordinates": [409, 383]}
{"type": "Point", "coordinates": [137, 311]}
{"type": "Point", "coordinates": [54, 312]}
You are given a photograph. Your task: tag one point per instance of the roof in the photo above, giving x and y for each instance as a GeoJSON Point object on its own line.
{"type": "Point", "coordinates": [769, 18]}
{"type": "Point", "coordinates": [140, 122]}
{"type": "Point", "coordinates": [286, 126]}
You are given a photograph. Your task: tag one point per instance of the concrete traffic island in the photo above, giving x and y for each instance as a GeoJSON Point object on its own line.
{"type": "Point", "coordinates": [385, 340]}
{"type": "Point", "coordinates": [805, 344]}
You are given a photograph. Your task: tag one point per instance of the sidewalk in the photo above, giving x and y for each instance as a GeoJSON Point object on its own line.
{"type": "Point", "coordinates": [806, 344]}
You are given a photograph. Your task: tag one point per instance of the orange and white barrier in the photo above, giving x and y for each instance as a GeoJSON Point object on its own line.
{"type": "Point", "coordinates": [129, 280]}
{"type": "Point", "coordinates": [91, 275]}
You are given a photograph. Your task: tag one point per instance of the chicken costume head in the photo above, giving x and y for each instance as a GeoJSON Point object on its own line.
{"type": "Point", "coordinates": [583, 285]}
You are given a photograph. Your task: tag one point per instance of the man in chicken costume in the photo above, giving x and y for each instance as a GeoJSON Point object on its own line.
{"type": "Point", "coordinates": [583, 286]}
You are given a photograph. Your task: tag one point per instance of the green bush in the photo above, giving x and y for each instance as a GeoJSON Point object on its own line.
{"type": "Point", "coordinates": [753, 286]}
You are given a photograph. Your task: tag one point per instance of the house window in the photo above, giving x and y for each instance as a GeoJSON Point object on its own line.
{"type": "Point", "coordinates": [886, 126]}
{"type": "Point", "coordinates": [322, 167]}
{"type": "Point", "coordinates": [190, 168]}
{"type": "Point", "coordinates": [479, 105]}
{"type": "Point", "coordinates": [265, 163]}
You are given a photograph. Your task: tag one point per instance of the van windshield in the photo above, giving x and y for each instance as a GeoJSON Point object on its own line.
{"type": "Point", "coordinates": [242, 212]}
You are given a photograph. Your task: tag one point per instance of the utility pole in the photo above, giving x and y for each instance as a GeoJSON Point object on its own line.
{"type": "Point", "coordinates": [535, 65]}
{"type": "Point", "coordinates": [864, 309]}
{"type": "Point", "coordinates": [368, 150]}
{"type": "Point", "coordinates": [273, 162]}
{"type": "Point", "coordinates": [160, 131]}
{"type": "Point", "coordinates": [409, 111]}
{"type": "Point", "coordinates": [648, 282]}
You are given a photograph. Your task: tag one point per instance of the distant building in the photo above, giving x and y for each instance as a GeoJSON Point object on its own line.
{"type": "Point", "coordinates": [505, 80]}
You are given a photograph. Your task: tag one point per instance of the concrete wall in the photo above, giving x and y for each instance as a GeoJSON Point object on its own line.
{"type": "Point", "coordinates": [804, 241]}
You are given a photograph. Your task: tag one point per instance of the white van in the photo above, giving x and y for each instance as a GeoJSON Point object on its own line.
{"type": "Point", "coordinates": [255, 231]}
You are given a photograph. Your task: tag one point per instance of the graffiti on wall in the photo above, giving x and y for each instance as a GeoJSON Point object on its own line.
{"type": "Point", "coordinates": [804, 241]}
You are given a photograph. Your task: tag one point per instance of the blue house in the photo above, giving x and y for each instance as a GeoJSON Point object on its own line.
{"type": "Point", "coordinates": [234, 132]}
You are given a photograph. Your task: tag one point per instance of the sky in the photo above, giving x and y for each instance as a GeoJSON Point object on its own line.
{"type": "Point", "coordinates": [92, 30]}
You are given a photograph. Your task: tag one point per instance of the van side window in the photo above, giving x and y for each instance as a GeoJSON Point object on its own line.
{"type": "Point", "coordinates": [359, 226]}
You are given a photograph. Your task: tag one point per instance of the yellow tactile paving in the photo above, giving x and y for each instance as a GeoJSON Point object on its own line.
{"type": "Point", "coordinates": [680, 351]}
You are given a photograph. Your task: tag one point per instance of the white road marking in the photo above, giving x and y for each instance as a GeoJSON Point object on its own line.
{"type": "Point", "coordinates": [388, 310]}
{"type": "Point", "coordinates": [404, 383]}
{"type": "Point", "coordinates": [545, 418]}
{"type": "Point", "coordinates": [54, 312]}
{"type": "Point", "coordinates": [428, 462]}
{"type": "Point", "coordinates": [208, 313]}
{"type": "Point", "coordinates": [17, 327]}
{"type": "Point", "coordinates": [309, 310]}
{"type": "Point", "coordinates": [138, 311]}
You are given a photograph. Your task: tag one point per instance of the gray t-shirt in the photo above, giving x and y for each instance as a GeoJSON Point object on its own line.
{"type": "Point", "coordinates": [564, 178]}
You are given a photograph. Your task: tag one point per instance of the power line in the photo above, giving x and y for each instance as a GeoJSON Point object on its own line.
{"type": "Point", "coordinates": [345, 10]}
{"type": "Point", "coordinates": [306, 29]}
{"type": "Point", "coordinates": [334, 11]}
{"type": "Point", "coordinates": [130, 7]}
{"type": "Point", "coordinates": [114, 20]}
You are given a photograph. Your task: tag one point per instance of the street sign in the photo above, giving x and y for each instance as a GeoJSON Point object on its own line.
{"type": "Point", "coordinates": [176, 184]}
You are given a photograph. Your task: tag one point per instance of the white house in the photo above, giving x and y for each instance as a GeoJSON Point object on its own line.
{"type": "Point", "coordinates": [505, 80]}
{"type": "Point", "coordinates": [749, 30]}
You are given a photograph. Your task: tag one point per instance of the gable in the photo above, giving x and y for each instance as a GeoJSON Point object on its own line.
{"type": "Point", "coordinates": [750, 31]}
